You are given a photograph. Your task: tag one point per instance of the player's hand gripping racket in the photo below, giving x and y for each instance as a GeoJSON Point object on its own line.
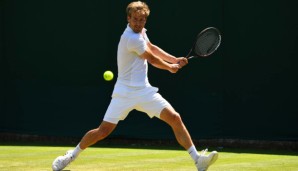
{"type": "Point", "coordinates": [206, 43]}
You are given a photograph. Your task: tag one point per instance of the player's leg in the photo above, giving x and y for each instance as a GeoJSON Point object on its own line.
{"type": "Point", "coordinates": [97, 134]}
{"type": "Point", "coordinates": [90, 138]}
{"type": "Point", "coordinates": [155, 105]}
{"type": "Point", "coordinates": [117, 110]}
{"type": "Point", "coordinates": [93, 136]}
{"type": "Point", "coordinates": [171, 117]}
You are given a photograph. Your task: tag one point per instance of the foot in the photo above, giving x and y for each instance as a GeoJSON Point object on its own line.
{"type": "Point", "coordinates": [62, 161]}
{"type": "Point", "coordinates": [204, 161]}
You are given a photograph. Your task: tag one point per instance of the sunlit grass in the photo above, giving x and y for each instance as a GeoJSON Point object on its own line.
{"type": "Point", "coordinates": [40, 158]}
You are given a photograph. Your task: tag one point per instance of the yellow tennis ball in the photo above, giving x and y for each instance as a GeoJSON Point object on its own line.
{"type": "Point", "coordinates": [108, 75]}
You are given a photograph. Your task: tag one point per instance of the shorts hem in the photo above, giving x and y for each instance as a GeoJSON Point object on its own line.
{"type": "Point", "coordinates": [112, 120]}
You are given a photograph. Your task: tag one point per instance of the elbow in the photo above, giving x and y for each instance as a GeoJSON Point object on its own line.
{"type": "Point", "coordinates": [152, 60]}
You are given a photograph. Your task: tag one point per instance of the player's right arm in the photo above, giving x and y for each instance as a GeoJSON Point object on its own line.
{"type": "Point", "coordinates": [158, 62]}
{"type": "Point", "coordinates": [182, 61]}
{"type": "Point", "coordinates": [140, 46]}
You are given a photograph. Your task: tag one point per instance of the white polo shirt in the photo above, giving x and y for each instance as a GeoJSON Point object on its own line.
{"type": "Point", "coordinates": [132, 69]}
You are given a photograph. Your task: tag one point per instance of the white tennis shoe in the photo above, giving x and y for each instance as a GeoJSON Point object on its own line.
{"type": "Point", "coordinates": [62, 161]}
{"type": "Point", "coordinates": [204, 161]}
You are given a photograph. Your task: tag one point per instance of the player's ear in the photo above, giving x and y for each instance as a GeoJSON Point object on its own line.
{"type": "Point", "coordinates": [128, 19]}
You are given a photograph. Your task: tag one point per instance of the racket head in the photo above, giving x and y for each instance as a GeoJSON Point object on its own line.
{"type": "Point", "coordinates": [207, 42]}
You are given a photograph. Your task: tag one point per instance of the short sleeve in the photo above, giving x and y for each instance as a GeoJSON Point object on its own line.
{"type": "Point", "coordinates": [137, 44]}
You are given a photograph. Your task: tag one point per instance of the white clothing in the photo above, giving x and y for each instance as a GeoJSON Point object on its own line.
{"type": "Point", "coordinates": [132, 69]}
{"type": "Point", "coordinates": [132, 89]}
{"type": "Point", "coordinates": [151, 103]}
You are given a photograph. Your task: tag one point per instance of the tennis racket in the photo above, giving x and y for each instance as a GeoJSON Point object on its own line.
{"type": "Point", "coordinates": [206, 43]}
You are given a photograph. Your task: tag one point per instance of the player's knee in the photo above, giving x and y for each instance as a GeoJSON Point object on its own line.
{"type": "Point", "coordinates": [175, 119]}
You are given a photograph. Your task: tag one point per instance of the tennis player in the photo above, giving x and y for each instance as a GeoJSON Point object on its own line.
{"type": "Point", "coordinates": [133, 90]}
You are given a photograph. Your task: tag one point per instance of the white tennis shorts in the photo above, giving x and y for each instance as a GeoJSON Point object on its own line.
{"type": "Point", "coordinates": [152, 103]}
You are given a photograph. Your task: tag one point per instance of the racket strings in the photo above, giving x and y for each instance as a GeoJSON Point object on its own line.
{"type": "Point", "coordinates": [207, 43]}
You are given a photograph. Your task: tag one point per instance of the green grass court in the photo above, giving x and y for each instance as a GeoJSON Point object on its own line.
{"type": "Point", "coordinates": [39, 158]}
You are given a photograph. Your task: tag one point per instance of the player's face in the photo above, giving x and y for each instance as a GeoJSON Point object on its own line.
{"type": "Point", "coordinates": [137, 21]}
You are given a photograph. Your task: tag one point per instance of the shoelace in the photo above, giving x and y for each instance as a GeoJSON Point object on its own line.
{"type": "Point", "coordinates": [203, 152]}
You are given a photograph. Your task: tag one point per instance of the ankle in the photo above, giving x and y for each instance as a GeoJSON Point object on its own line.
{"type": "Point", "coordinates": [192, 151]}
{"type": "Point", "coordinates": [77, 151]}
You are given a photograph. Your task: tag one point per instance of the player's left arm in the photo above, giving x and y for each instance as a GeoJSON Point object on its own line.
{"type": "Point", "coordinates": [166, 56]}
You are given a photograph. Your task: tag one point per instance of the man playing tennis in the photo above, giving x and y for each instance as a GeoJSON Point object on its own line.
{"type": "Point", "coordinates": [133, 90]}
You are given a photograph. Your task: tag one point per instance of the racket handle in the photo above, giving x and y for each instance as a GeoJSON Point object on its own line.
{"type": "Point", "coordinates": [191, 57]}
{"type": "Point", "coordinates": [188, 58]}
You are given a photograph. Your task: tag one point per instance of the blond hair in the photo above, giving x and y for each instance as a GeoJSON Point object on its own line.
{"type": "Point", "coordinates": [138, 6]}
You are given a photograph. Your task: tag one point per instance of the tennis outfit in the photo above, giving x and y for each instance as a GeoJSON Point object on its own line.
{"type": "Point", "coordinates": [132, 89]}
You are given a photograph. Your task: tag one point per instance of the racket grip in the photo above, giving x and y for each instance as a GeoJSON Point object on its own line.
{"type": "Point", "coordinates": [190, 57]}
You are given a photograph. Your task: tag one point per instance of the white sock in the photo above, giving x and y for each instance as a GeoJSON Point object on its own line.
{"type": "Point", "coordinates": [192, 151]}
{"type": "Point", "coordinates": [77, 151]}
